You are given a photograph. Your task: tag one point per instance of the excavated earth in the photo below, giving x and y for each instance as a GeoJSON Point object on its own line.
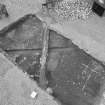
{"type": "Point", "coordinates": [75, 77]}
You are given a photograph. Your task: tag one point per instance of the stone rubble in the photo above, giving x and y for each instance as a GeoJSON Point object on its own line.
{"type": "Point", "coordinates": [73, 10]}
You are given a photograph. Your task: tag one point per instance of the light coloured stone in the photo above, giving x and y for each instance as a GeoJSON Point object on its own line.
{"type": "Point", "coordinates": [33, 94]}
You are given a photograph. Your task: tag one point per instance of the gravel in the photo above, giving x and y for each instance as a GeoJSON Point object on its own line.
{"type": "Point", "coordinates": [73, 10]}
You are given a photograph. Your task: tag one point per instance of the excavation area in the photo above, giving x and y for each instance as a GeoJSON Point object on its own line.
{"type": "Point", "coordinates": [75, 77]}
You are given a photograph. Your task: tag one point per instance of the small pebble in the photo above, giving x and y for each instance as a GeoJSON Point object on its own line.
{"type": "Point", "coordinates": [34, 94]}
